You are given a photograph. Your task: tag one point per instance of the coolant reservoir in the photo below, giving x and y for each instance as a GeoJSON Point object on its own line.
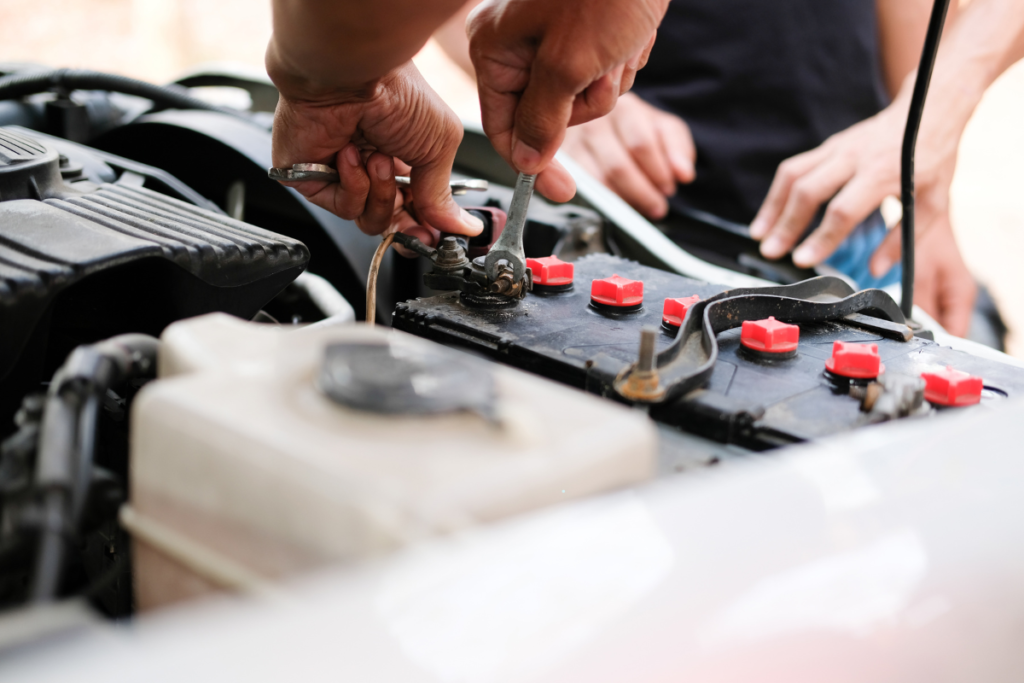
{"type": "Point", "coordinates": [260, 452]}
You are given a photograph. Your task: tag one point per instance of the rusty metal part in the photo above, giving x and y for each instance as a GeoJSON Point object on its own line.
{"type": "Point", "coordinates": [643, 383]}
{"type": "Point", "coordinates": [452, 270]}
{"type": "Point", "coordinates": [451, 255]}
{"type": "Point", "coordinates": [893, 397]}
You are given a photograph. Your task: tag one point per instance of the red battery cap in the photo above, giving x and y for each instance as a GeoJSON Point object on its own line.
{"type": "Point", "coordinates": [770, 336]}
{"type": "Point", "coordinates": [675, 310]}
{"type": "Point", "coordinates": [618, 292]}
{"type": "Point", "coordinates": [855, 361]}
{"type": "Point", "coordinates": [550, 271]}
{"type": "Point", "coordinates": [951, 387]}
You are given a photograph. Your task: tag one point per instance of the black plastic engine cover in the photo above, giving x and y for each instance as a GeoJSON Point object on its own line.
{"type": "Point", "coordinates": [753, 403]}
{"type": "Point", "coordinates": [81, 261]}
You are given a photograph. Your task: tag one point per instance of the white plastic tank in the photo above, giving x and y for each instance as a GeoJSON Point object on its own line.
{"type": "Point", "coordinates": [245, 470]}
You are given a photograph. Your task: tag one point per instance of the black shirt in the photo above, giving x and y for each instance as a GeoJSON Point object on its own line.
{"type": "Point", "coordinates": [759, 81]}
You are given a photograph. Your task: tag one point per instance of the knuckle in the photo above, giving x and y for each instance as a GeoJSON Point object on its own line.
{"type": "Point", "coordinates": [839, 215]}
{"type": "Point", "coordinates": [801, 193]}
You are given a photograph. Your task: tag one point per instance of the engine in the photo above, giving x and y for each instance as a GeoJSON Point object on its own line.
{"type": "Point", "coordinates": [188, 408]}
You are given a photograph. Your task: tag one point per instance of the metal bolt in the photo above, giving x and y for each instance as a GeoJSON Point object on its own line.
{"type": "Point", "coordinates": [648, 344]}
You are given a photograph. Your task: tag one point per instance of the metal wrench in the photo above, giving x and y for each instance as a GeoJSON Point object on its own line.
{"type": "Point", "coordinates": [324, 173]}
{"type": "Point", "coordinates": [509, 247]}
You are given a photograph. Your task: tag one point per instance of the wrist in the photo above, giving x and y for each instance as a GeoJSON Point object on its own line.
{"type": "Point", "coordinates": [299, 84]}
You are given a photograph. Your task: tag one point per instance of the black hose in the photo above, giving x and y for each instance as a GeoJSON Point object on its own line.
{"type": "Point", "coordinates": [17, 86]}
{"type": "Point", "coordinates": [917, 102]}
{"type": "Point", "coordinates": [67, 444]}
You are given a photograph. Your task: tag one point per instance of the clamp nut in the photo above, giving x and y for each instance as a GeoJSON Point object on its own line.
{"type": "Point", "coordinates": [855, 361]}
{"type": "Point", "coordinates": [952, 388]}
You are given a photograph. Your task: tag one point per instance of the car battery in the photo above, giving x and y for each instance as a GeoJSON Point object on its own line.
{"type": "Point", "coordinates": [771, 384]}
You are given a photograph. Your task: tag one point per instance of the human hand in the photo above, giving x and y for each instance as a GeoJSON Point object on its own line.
{"type": "Point", "coordinates": [543, 66]}
{"type": "Point", "coordinates": [943, 286]}
{"type": "Point", "coordinates": [638, 151]}
{"type": "Point", "coordinates": [852, 172]}
{"type": "Point", "coordinates": [363, 133]}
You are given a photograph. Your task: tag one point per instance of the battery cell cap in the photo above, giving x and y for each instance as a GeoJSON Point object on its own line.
{"type": "Point", "coordinates": [550, 271]}
{"type": "Point", "coordinates": [770, 336]}
{"type": "Point", "coordinates": [855, 361]}
{"type": "Point", "coordinates": [675, 310]}
{"type": "Point", "coordinates": [617, 292]}
{"type": "Point", "coordinates": [951, 387]}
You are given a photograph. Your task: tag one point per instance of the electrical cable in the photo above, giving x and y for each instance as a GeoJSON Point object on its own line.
{"type": "Point", "coordinates": [17, 85]}
{"type": "Point", "coordinates": [371, 280]}
{"type": "Point", "coordinates": [907, 190]}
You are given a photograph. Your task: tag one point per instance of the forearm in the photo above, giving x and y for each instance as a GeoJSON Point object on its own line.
{"type": "Point", "coordinates": [902, 25]}
{"type": "Point", "coordinates": [453, 39]}
{"type": "Point", "coordinates": [987, 38]}
{"type": "Point", "coordinates": [321, 47]}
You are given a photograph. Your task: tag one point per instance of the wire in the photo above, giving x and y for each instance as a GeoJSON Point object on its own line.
{"type": "Point", "coordinates": [907, 190]}
{"type": "Point", "coordinates": [371, 280]}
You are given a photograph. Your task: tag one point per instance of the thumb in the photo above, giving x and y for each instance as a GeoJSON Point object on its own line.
{"type": "Point", "coordinates": [434, 203]}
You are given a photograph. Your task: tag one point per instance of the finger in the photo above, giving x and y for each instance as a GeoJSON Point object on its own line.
{"type": "Point", "coordinates": [431, 188]}
{"type": "Point", "coordinates": [380, 202]}
{"type": "Point", "coordinates": [346, 198]}
{"type": "Point", "coordinates": [543, 113]}
{"type": "Point", "coordinates": [677, 141]}
{"type": "Point", "coordinates": [956, 303]}
{"type": "Point", "coordinates": [598, 99]}
{"type": "Point", "coordinates": [806, 195]}
{"type": "Point", "coordinates": [626, 179]}
{"type": "Point", "coordinates": [789, 172]}
{"type": "Point", "coordinates": [585, 160]}
{"type": "Point", "coordinates": [888, 253]}
{"type": "Point", "coordinates": [645, 146]}
{"type": "Point", "coordinates": [852, 206]}
{"type": "Point", "coordinates": [556, 183]}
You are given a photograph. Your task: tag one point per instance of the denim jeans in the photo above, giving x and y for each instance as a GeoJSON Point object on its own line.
{"type": "Point", "coordinates": [853, 255]}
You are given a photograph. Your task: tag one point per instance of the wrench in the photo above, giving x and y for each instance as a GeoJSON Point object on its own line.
{"type": "Point", "coordinates": [325, 173]}
{"type": "Point", "coordinates": [509, 247]}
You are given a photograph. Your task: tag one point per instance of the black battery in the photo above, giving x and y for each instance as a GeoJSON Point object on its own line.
{"type": "Point", "coordinates": [750, 399]}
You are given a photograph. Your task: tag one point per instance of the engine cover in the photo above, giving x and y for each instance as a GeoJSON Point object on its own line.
{"type": "Point", "coordinates": [81, 261]}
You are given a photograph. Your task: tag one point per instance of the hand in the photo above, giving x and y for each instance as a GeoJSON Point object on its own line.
{"type": "Point", "coordinates": [638, 151]}
{"type": "Point", "coordinates": [943, 286]}
{"type": "Point", "coordinates": [362, 132]}
{"type": "Point", "coordinates": [853, 171]}
{"type": "Point", "coordinates": [545, 65]}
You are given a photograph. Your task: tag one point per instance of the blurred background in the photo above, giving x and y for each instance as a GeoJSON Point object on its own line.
{"type": "Point", "coordinates": [158, 40]}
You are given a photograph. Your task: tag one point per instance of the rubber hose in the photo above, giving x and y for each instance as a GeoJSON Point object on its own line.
{"type": "Point", "coordinates": [17, 86]}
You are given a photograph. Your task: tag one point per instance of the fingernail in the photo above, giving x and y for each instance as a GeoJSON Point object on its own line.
{"type": "Point", "coordinates": [383, 170]}
{"type": "Point", "coordinates": [474, 224]}
{"type": "Point", "coordinates": [758, 228]}
{"type": "Point", "coordinates": [805, 256]}
{"type": "Point", "coordinates": [525, 158]}
{"type": "Point", "coordinates": [772, 248]}
{"type": "Point", "coordinates": [683, 165]}
{"type": "Point", "coordinates": [352, 156]}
